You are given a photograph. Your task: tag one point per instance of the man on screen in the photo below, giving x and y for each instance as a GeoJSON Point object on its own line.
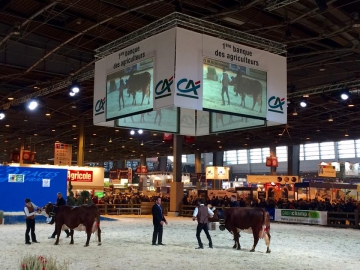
{"type": "Point", "coordinates": [225, 87]}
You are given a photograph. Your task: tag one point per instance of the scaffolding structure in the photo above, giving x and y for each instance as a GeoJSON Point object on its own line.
{"type": "Point", "coordinates": [197, 25]}
{"type": "Point", "coordinates": [275, 4]}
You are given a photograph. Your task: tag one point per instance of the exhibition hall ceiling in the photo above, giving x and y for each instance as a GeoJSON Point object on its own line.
{"type": "Point", "coordinates": [44, 43]}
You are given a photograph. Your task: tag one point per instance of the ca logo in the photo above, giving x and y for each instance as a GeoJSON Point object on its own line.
{"type": "Point", "coordinates": [276, 104]}
{"type": "Point", "coordinates": [190, 87]}
{"type": "Point", "coordinates": [100, 106]}
{"type": "Point", "coordinates": [165, 87]}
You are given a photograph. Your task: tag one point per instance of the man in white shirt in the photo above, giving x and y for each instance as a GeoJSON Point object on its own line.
{"type": "Point", "coordinates": [202, 214]}
{"type": "Point", "coordinates": [29, 211]}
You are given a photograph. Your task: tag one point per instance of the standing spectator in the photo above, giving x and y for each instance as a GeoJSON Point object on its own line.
{"type": "Point", "coordinates": [158, 221]}
{"type": "Point", "coordinates": [29, 211]}
{"type": "Point", "coordinates": [202, 214]}
{"type": "Point", "coordinates": [234, 202]}
{"type": "Point", "coordinates": [59, 202]}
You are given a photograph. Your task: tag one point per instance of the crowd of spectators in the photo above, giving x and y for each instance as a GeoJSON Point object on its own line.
{"type": "Point", "coordinates": [126, 199]}
{"type": "Point", "coordinates": [349, 205]}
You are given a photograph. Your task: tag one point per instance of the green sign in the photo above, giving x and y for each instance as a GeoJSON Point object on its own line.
{"type": "Point", "coordinates": [297, 213]}
{"type": "Point", "coordinates": [16, 178]}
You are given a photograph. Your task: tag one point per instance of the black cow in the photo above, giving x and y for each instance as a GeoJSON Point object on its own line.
{"type": "Point", "coordinates": [245, 218]}
{"type": "Point", "coordinates": [87, 216]}
{"type": "Point", "coordinates": [247, 87]}
{"type": "Point", "coordinates": [139, 82]}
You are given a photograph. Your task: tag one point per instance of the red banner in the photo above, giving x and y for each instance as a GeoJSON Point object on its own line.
{"type": "Point", "coordinates": [141, 169]}
{"type": "Point", "coordinates": [168, 137]}
{"type": "Point", "coordinates": [272, 162]}
{"type": "Point", "coordinates": [80, 176]}
{"type": "Point", "coordinates": [189, 139]}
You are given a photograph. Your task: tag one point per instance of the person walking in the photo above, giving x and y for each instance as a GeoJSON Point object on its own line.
{"type": "Point", "coordinates": [29, 211]}
{"type": "Point", "coordinates": [225, 87]}
{"type": "Point", "coordinates": [202, 214]}
{"type": "Point", "coordinates": [158, 221]}
{"type": "Point", "coordinates": [59, 202]}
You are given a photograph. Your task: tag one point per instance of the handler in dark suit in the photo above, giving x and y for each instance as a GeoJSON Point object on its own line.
{"type": "Point", "coordinates": [234, 202]}
{"type": "Point", "coordinates": [59, 202]}
{"type": "Point", "coordinates": [158, 221]}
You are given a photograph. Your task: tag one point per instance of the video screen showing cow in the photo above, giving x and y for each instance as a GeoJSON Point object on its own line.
{"type": "Point", "coordinates": [129, 91]}
{"type": "Point", "coordinates": [164, 120]}
{"type": "Point", "coordinates": [220, 122]}
{"type": "Point", "coordinates": [233, 88]}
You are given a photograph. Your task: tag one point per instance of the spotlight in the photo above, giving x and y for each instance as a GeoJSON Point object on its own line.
{"type": "Point", "coordinates": [75, 88]}
{"type": "Point", "coordinates": [303, 103]}
{"type": "Point", "coordinates": [140, 131]}
{"type": "Point", "coordinates": [2, 115]}
{"type": "Point", "coordinates": [344, 95]}
{"type": "Point", "coordinates": [71, 94]}
{"type": "Point", "coordinates": [33, 105]}
{"type": "Point", "coordinates": [132, 132]}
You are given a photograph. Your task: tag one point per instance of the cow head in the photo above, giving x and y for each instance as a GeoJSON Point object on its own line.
{"type": "Point", "coordinates": [47, 209]}
{"type": "Point", "coordinates": [219, 216]}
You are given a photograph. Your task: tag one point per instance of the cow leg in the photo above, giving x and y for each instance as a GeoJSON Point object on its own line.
{"type": "Point", "coordinates": [58, 232]}
{"type": "Point", "coordinates": [256, 237]}
{"type": "Point", "coordinates": [72, 236]}
{"type": "Point", "coordinates": [254, 102]}
{"type": "Point", "coordinates": [267, 241]}
{"type": "Point", "coordinates": [88, 232]}
{"type": "Point", "coordinates": [143, 95]}
{"type": "Point", "coordinates": [236, 239]}
{"type": "Point", "coordinates": [99, 235]}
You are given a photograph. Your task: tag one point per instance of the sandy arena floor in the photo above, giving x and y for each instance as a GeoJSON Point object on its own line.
{"type": "Point", "coordinates": [126, 244]}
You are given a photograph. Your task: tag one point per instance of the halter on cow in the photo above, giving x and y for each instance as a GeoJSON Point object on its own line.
{"type": "Point", "coordinates": [83, 218]}
{"type": "Point", "coordinates": [251, 220]}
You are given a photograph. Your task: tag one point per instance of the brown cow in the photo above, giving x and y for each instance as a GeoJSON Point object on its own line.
{"type": "Point", "coordinates": [77, 217]}
{"type": "Point", "coordinates": [248, 87]}
{"type": "Point", "coordinates": [237, 219]}
{"type": "Point", "coordinates": [139, 82]}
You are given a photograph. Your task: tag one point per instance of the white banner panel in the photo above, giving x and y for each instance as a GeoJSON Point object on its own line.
{"type": "Point", "coordinates": [263, 73]}
{"type": "Point", "coordinates": [188, 77]}
{"type": "Point", "coordinates": [187, 122]}
{"type": "Point", "coordinates": [202, 124]}
{"type": "Point", "coordinates": [164, 69]}
{"type": "Point", "coordinates": [301, 216]}
{"type": "Point", "coordinates": [217, 172]}
{"type": "Point", "coordinates": [282, 179]}
{"type": "Point", "coordinates": [63, 154]}
{"type": "Point", "coordinates": [118, 88]}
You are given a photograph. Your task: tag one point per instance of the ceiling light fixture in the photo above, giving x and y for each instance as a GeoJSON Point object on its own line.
{"type": "Point", "coordinates": [142, 143]}
{"type": "Point", "coordinates": [110, 141]}
{"type": "Point", "coordinates": [10, 98]}
{"type": "Point", "coordinates": [132, 132]}
{"type": "Point", "coordinates": [345, 95]}
{"type": "Point", "coordinates": [303, 103]}
{"type": "Point", "coordinates": [295, 112]}
{"type": "Point", "coordinates": [2, 115]}
{"type": "Point", "coordinates": [330, 119]}
{"type": "Point", "coordinates": [140, 131]}
{"type": "Point", "coordinates": [32, 105]}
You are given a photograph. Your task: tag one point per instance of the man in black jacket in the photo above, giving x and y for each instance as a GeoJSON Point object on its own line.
{"type": "Point", "coordinates": [158, 221]}
{"type": "Point", "coordinates": [233, 201]}
{"type": "Point", "coordinates": [59, 202]}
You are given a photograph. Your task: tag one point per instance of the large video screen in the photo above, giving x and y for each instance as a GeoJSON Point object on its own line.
{"type": "Point", "coordinates": [129, 91]}
{"type": "Point", "coordinates": [234, 89]}
{"type": "Point", "coordinates": [165, 120]}
{"type": "Point", "coordinates": [220, 122]}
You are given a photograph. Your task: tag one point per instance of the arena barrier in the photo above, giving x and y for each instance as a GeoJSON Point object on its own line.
{"type": "Point", "coordinates": [331, 219]}
{"type": "Point", "coordinates": [111, 209]}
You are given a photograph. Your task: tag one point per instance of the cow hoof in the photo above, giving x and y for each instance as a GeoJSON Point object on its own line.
{"type": "Point", "coordinates": [56, 244]}
{"type": "Point", "coordinates": [99, 244]}
{"type": "Point", "coordinates": [268, 251]}
{"type": "Point", "coordinates": [71, 243]}
{"type": "Point", "coordinates": [252, 250]}
{"type": "Point", "coordinates": [234, 246]}
{"type": "Point", "coordinates": [239, 248]}
{"type": "Point", "coordinates": [86, 245]}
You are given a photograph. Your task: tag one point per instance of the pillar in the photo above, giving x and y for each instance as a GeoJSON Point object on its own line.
{"type": "Point", "coordinates": [120, 164]}
{"type": "Point", "coordinates": [143, 160]}
{"type": "Point", "coordinates": [22, 147]}
{"type": "Point", "coordinates": [81, 141]}
{"type": "Point", "coordinates": [176, 186]}
{"type": "Point", "coordinates": [198, 167]}
{"type": "Point", "coordinates": [293, 159]}
{"type": "Point", "coordinates": [273, 154]}
{"type": "Point", "coordinates": [218, 160]}
{"type": "Point", "coordinates": [162, 163]}
{"type": "Point", "coordinates": [143, 177]}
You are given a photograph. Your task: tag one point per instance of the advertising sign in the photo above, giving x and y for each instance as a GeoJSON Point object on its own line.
{"type": "Point", "coordinates": [46, 182]}
{"type": "Point", "coordinates": [301, 216]}
{"type": "Point", "coordinates": [80, 176]}
{"type": "Point", "coordinates": [326, 171]}
{"type": "Point", "coordinates": [217, 173]}
{"type": "Point", "coordinates": [283, 179]}
{"type": "Point", "coordinates": [16, 178]}
{"type": "Point", "coordinates": [63, 154]}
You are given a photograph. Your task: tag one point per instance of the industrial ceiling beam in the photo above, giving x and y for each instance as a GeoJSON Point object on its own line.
{"type": "Point", "coordinates": [275, 4]}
